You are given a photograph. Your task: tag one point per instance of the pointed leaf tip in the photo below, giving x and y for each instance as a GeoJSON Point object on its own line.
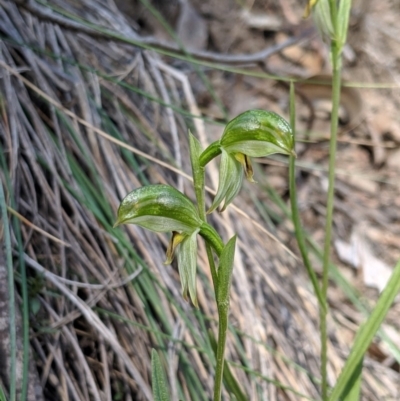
{"type": "Point", "coordinates": [225, 269]}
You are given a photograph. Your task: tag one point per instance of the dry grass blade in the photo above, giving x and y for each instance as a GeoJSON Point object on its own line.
{"type": "Point", "coordinates": [99, 326]}
{"type": "Point", "coordinates": [27, 222]}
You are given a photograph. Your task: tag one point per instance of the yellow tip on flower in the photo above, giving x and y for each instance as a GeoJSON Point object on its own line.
{"type": "Point", "coordinates": [175, 240]}
{"type": "Point", "coordinates": [308, 8]}
{"type": "Point", "coordinates": [245, 161]}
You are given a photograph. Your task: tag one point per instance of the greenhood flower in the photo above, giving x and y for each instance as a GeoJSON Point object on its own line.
{"type": "Point", "coordinates": [258, 133]}
{"type": "Point", "coordinates": [254, 133]}
{"type": "Point", "coordinates": [159, 208]}
{"type": "Point", "coordinates": [162, 208]}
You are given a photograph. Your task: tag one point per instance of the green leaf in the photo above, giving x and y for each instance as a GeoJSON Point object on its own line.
{"type": "Point", "coordinates": [159, 208]}
{"type": "Point", "coordinates": [230, 181]}
{"type": "Point", "coordinates": [195, 152]}
{"type": "Point", "coordinates": [353, 387]}
{"type": "Point", "coordinates": [225, 270]}
{"type": "Point", "coordinates": [367, 332]}
{"type": "Point", "coordinates": [258, 133]}
{"type": "Point", "coordinates": [187, 265]}
{"type": "Point", "coordinates": [160, 390]}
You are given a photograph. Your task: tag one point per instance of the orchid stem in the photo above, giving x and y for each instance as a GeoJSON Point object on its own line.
{"type": "Point", "coordinates": [213, 240]}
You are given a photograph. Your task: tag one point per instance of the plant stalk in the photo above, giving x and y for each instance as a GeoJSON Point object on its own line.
{"type": "Point", "coordinates": [295, 210]}
{"type": "Point", "coordinates": [211, 237]}
{"type": "Point", "coordinates": [222, 330]}
{"type": "Point", "coordinates": [336, 86]}
{"type": "Point", "coordinates": [198, 174]}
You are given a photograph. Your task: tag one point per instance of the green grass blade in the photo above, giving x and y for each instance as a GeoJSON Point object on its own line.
{"type": "Point", "coordinates": [11, 292]}
{"type": "Point", "coordinates": [25, 311]}
{"type": "Point", "coordinates": [276, 383]}
{"type": "Point", "coordinates": [353, 388]}
{"type": "Point", "coordinates": [24, 286]}
{"type": "Point", "coordinates": [367, 332]}
{"type": "Point", "coordinates": [160, 390]}
{"type": "Point", "coordinates": [2, 395]}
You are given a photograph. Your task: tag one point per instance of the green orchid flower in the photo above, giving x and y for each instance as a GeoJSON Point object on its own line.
{"type": "Point", "coordinates": [254, 133]}
{"type": "Point", "coordinates": [162, 208]}
{"type": "Point", "coordinates": [159, 208]}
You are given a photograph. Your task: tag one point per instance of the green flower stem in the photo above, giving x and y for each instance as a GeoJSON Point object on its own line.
{"type": "Point", "coordinates": [221, 279]}
{"type": "Point", "coordinates": [210, 153]}
{"type": "Point", "coordinates": [199, 184]}
{"type": "Point", "coordinates": [336, 83]}
{"type": "Point", "coordinates": [222, 331]}
{"type": "Point", "coordinates": [212, 238]}
{"type": "Point", "coordinates": [199, 189]}
{"type": "Point", "coordinates": [295, 210]}
{"type": "Point", "coordinates": [225, 269]}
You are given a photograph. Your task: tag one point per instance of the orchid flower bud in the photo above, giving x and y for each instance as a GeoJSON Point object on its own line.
{"type": "Point", "coordinates": [254, 133]}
